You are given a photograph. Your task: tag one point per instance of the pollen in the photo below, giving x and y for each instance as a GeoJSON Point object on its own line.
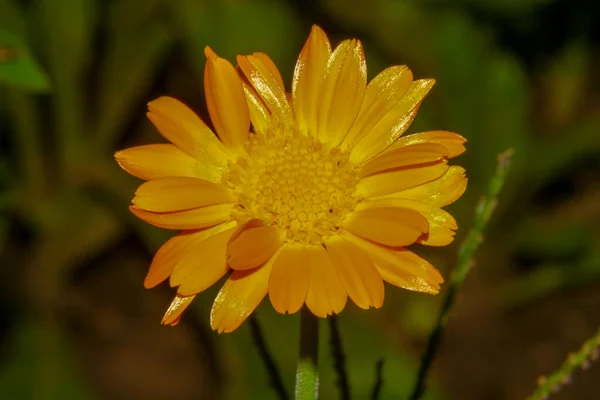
{"type": "Point", "coordinates": [295, 182]}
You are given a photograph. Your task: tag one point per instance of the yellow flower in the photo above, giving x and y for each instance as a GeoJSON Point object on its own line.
{"type": "Point", "coordinates": [316, 203]}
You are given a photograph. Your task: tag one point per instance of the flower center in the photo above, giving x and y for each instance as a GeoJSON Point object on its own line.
{"type": "Point", "coordinates": [295, 182]}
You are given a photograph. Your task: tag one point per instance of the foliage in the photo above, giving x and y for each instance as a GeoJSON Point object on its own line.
{"type": "Point", "coordinates": [74, 79]}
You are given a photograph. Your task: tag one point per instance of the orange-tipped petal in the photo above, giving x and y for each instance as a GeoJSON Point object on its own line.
{"type": "Point", "coordinates": [441, 224]}
{"type": "Point", "coordinates": [308, 75]}
{"type": "Point", "coordinates": [400, 179]}
{"type": "Point", "coordinates": [400, 267]}
{"type": "Point", "coordinates": [382, 93]}
{"type": "Point", "coordinates": [267, 86]}
{"type": "Point", "coordinates": [196, 218]}
{"type": "Point", "coordinates": [453, 142]}
{"type": "Point", "coordinates": [181, 193]}
{"type": "Point", "coordinates": [154, 161]}
{"type": "Point", "coordinates": [393, 124]}
{"type": "Point", "coordinates": [390, 226]}
{"type": "Point", "coordinates": [204, 265]}
{"type": "Point", "coordinates": [182, 127]}
{"type": "Point", "coordinates": [226, 101]}
{"type": "Point", "coordinates": [175, 249]}
{"type": "Point", "coordinates": [356, 271]}
{"type": "Point", "coordinates": [240, 295]}
{"type": "Point", "coordinates": [439, 192]}
{"type": "Point", "coordinates": [342, 91]}
{"type": "Point", "coordinates": [259, 114]}
{"type": "Point", "coordinates": [325, 295]}
{"type": "Point", "coordinates": [270, 65]}
{"type": "Point", "coordinates": [404, 157]}
{"type": "Point", "coordinates": [252, 245]}
{"type": "Point", "coordinates": [288, 282]}
{"type": "Point", "coordinates": [177, 307]}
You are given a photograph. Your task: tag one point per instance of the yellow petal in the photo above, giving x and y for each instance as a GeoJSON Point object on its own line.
{"type": "Point", "coordinates": [404, 157]}
{"type": "Point", "coordinates": [288, 282]}
{"type": "Point", "coordinates": [399, 179]}
{"type": "Point", "coordinates": [325, 295]}
{"type": "Point", "coordinates": [450, 140]}
{"type": "Point", "coordinates": [390, 226]}
{"type": "Point", "coordinates": [393, 124]}
{"type": "Point", "coordinates": [226, 101]}
{"type": "Point", "coordinates": [252, 245]}
{"type": "Point", "coordinates": [441, 224]}
{"type": "Point", "coordinates": [267, 87]}
{"type": "Point", "coordinates": [155, 161]}
{"type": "Point", "coordinates": [270, 65]}
{"type": "Point", "coordinates": [181, 193]}
{"type": "Point", "coordinates": [400, 267]}
{"type": "Point", "coordinates": [341, 92]}
{"type": "Point", "coordinates": [182, 127]}
{"type": "Point", "coordinates": [240, 295]}
{"type": "Point", "coordinates": [196, 218]}
{"type": "Point", "coordinates": [400, 272]}
{"type": "Point", "coordinates": [308, 75]}
{"type": "Point", "coordinates": [203, 265]}
{"type": "Point", "coordinates": [382, 93]}
{"type": "Point", "coordinates": [356, 271]}
{"type": "Point", "coordinates": [175, 249]}
{"type": "Point", "coordinates": [259, 114]}
{"type": "Point", "coordinates": [177, 307]}
{"type": "Point", "coordinates": [439, 192]}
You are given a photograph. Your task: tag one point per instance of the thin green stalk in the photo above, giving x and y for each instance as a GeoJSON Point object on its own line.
{"type": "Point", "coordinates": [307, 374]}
{"type": "Point", "coordinates": [563, 375]}
{"type": "Point", "coordinates": [265, 355]}
{"type": "Point", "coordinates": [376, 392]}
{"type": "Point", "coordinates": [465, 261]}
{"type": "Point", "coordinates": [339, 358]}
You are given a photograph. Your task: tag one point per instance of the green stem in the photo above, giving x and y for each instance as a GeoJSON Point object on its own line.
{"type": "Point", "coordinates": [563, 375]}
{"type": "Point", "coordinates": [307, 375]}
{"type": "Point", "coordinates": [465, 261]}
{"type": "Point", "coordinates": [267, 359]}
{"type": "Point", "coordinates": [339, 358]}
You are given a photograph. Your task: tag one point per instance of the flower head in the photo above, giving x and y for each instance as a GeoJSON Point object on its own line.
{"type": "Point", "coordinates": [309, 197]}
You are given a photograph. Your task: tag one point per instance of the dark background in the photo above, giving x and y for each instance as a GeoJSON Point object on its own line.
{"type": "Point", "coordinates": [75, 75]}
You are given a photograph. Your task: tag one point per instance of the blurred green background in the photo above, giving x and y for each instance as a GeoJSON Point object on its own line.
{"type": "Point", "coordinates": [75, 77]}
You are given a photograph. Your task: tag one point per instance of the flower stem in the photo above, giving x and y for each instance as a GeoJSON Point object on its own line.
{"type": "Point", "coordinates": [268, 360]}
{"type": "Point", "coordinates": [307, 375]}
{"type": "Point", "coordinates": [339, 358]}
{"type": "Point", "coordinates": [465, 261]}
{"type": "Point", "coordinates": [378, 379]}
{"type": "Point", "coordinates": [564, 374]}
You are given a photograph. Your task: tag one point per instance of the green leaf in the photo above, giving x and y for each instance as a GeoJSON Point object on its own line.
{"type": "Point", "coordinates": [505, 119]}
{"type": "Point", "coordinates": [134, 52]}
{"type": "Point", "coordinates": [269, 27]}
{"type": "Point", "coordinates": [551, 279]}
{"type": "Point", "coordinates": [565, 83]}
{"type": "Point", "coordinates": [18, 67]}
{"type": "Point", "coordinates": [65, 32]}
{"type": "Point", "coordinates": [508, 7]}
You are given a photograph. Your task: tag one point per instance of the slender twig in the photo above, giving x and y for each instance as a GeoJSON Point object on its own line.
{"type": "Point", "coordinates": [267, 359]}
{"type": "Point", "coordinates": [339, 358]}
{"type": "Point", "coordinates": [465, 261]}
{"type": "Point", "coordinates": [307, 375]}
{"type": "Point", "coordinates": [378, 379]}
{"type": "Point", "coordinates": [563, 375]}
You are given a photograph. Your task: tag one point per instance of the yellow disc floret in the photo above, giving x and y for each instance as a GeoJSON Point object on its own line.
{"type": "Point", "coordinates": [294, 182]}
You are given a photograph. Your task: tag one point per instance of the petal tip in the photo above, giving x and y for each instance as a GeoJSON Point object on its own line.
{"type": "Point", "coordinates": [209, 53]}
